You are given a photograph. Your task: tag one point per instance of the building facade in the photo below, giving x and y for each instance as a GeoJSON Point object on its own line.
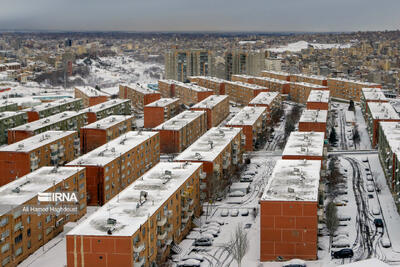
{"type": "Point", "coordinates": [348, 89]}
{"type": "Point", "coordinates": [243, 93]}
{"type": "Point", "coordinates": [10, 119]}
{"type": "Point", "coordinates": [213, 83]}
{"type": "Point", "coordinates": [216, 107]}
{"type": "Point", "coordinates": [90, 96]}
{"type": "Point", "coordinates": [299, 92]}
{"type": "Point", "coordinates": [270, 100]}
{"type": "Point", "coordinates": [105, 109]}
{"type": "Point", "coordinates": [138, 95]}
{"type": "Point", "coordinates": [243, 62]}
{"type": "Point", "coordinates": [319, 100]}
{"type": "Point", "coordinates": [160, 111]}
{"type": "Point", "coordinates": [51, 108]}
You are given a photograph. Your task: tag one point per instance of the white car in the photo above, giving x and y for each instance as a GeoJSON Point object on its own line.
{"type": "Point", "coordinates": [237, 193]}
{"type": "Point", "coordinates": [224, 213]}
{"type": "Point", "coordinates": [189, 263]}
{"type": "Point", "coordinates": [234, 213]}
{"type": "Point", "coordinates": [385, 242]}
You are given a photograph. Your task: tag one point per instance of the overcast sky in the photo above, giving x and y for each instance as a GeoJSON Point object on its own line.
{"type": "Point", "coordinates": [200, 15]}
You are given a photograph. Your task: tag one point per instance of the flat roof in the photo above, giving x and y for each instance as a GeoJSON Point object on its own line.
{"type": "Point", "coordinates": [34, 125]}
{"type": "Point", "coordinates": [391, 130]}
{"type": "Point", "coordinates": [33, 142]}
{"type": "Point", "coordinates": [316, 77]}
{"type": "Point", "coordinates": [353, 81]}
{"type": "Point", "coordinates": [310, 85]}
{"type": "Point", "coordinates": [31, 184]}
{"type": "Point", "coordinates": [247, 116]}
{"type": "Point", "coordinates": [382, 110]}
{"type": "Point", "coordinates": [90, 91]}
{"type": "Point", "coordinates": [53, 104]}
{"type": "Point", "coordinates": [108, 122]}
{"type": "Point", "coordinates": [211, 101]}
{"type": "Point", "coordinates": [194, 87]}
{"type": "Point", "coordinates": [129, 210]}
{"type": "Point", "coordinates": [105, 105]}
{"type": "Point", "coordinates": [209, 78]}
{"type": "Point", "coordinates": [272, 80]}
{"type": "Point", "coordinates": [10, 114]}
{"type": "Point", "coordinates": [106, 153]}
{"type": "Point", "coordinates": [6, 103]}
{"type": "Point", "coordinates": [313, 115]}
{"type": "Point", "coordinates": [181, 120]}
{"type": "Point", "coordinates": [276, 72]}
{"type": "Point", "coordinates": [210, 144]}
{"type": "Point", "coordinates": [163, 102]}
{"type": "Point", "coordinates": [319, 96]}
{"type": "Point", "coordinates": [374, 94]}
{"type": "Point", "coordinates": [141, 88]}
{"type": "Point", "coordinates": [247, 85]}
{"type": "Point", "coordinates": [304, 144]}
{"type": "Point", "coordinates": [293, 180]}
{"type": "Point", "coordinates": [264, 98]}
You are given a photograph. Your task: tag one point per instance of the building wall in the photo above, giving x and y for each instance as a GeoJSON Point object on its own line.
{"type": "Point", "coordinates": [241, 94]}
{"type": "Point", "coordinates": [288, 229]}
{"type": "Point", "coordinates": [15, 136]}
{"type": "Point", "coordinates": [283, 88]}
{"type": "Point", "coordinates": [138, 98]}
{"type": "Point", "coordinates": [217, 87]}
{"type": "Point", "coordinates": [347, 90]}
{"type": "Point", "coordinates": [189, 96]}
{"type": "Point", "coordinates": [154, 116]}
{"type": "Point", "coordinates": [318, 105]}
{"type": "Point", "coordinates": [312, 127]}
{"type": "Point", "coordinates": [299, 92]}
{"type": "Point", "coordinates": [89, 101]}
{"type": "Point", "coordinates": [308, 79]}
{"type": "Point", "coordinates": [276, 76]}
{"type": "Point", "coordinates": [216, 114]}
{"type": "Point", "coordinates": [166, 88]}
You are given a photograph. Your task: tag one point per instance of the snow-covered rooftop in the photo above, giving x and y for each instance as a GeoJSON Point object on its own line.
{"type": "Point", "coordinates": [105, 105]}
{"type": "Point", "coordinates": [272, 80]}
{"type": "Point", "coordinates": [276, 72]}
{"type": "Point", "coordinates": [163, 102]}
{"type": "Point", "coordinates": [130, 210]}
{"type": "Point", "coordinates": [181, 120]}
{"type": "Point", "coordinates": [354, 81]}
{"type": "Point", "coordinates": [194, 87]}
{"type": "Point", "coordinates": [316, 77]}
{"type": "Point", "coordinates": [53, 104]}
{"type": "Point", "coordinates": [27, 187]}
{"type": "Point", "coordinates": [9, 114]}
{"type": "Point", "coordinates": [313, 115]}
{"type": "Point", "coordinates": [211, 101]}
{"type": "Point", "coordinates": [247, 116]}
{"type": "Point", "coordinates": [103, 155]}
{"type": "Point", "coordinates": [90, 91]}
{"type": "Point", "coordinates": [209, 78]}
{"type": "Point", "coordinates": [140, 88]}
{"type": "Point", "coordinates": [247, 85]}
{"type": "Point", "coordinates": [383, 111]}
{"type": "Point", "coordinates": [310, 85]}
{"type": "Point", "coordinates": [36, 141]}
{"type": "Point", "coordinates": [108, 122]}
{"type": "Point", "coordinates": [319, 96]}
{"type": "Point", "coordinates": [210, 145]}
{"type": "Point", "coordinates": [6, 103]}
{"type": "Point", "coordinates": [293, 180]}
{"type": "Point", "coordinates": [32, 126]}
{"type": "Point", "coordinates": [373, 94]}
{"type": "Point", "coordinates": [304, 144]}
{"type": "Point", "coordinates": [264, 98]}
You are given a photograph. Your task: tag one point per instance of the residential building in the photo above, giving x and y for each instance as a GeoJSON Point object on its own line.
{"type": "Point", "coordinates": [52, 148]}
{"type": "Point", "coordinates": [105, 109]}
{"type": "Point", "coordinates": [50, 108]}
{"type": "Point", "coordinates": [319, 100]}
{"type": "Point", "coordinates": [273, 85]}
{"type": "Point", "coordinates": [371, 95]}
{"type": "Point", "coordinates": [139, 95]}
{"type": "Point", "coordinates": [220, 150]}
{"type": "Point", "coordinates": [242, 93]}
{"type": "Point", "coordinates": [90, 96]}
{"type": "Point", "coordinates": [348, 89]}
{"type": "Point", "coordinates": [66, 121]}
{"type": "Point", "coordinates": [288, 211]}
{"type": "Point", "coordinates": [253, 121]}
{"type": "Point", "coordinates": [102, 131]}
{"type": "Point", "coordinates": [305, 146]}
{"type": "Point", "coordinates": [279, 75]}
{"type": "Point", "coordinates": [6, 105]}
{"type": "Point", "coordinates": [299, 92]}
{"type": "Point", "coordinates": [213, 83]}
{"type": "Point", "coordinates": [160, 111]}
{"type": "Point", "coordinates": [113, 166]}
{"type": "Point", "coordinates": [180, 64]}
{"type": "Point", "coordinates": [377, 112]}
{"type": "Point", "coordinates": [167, 88]}
{"type": "Point", "coordinates": [270, 100]}
{"type": "Point", "coordinates": [312, 120]}
{"type": "Point", "coordinates": [274, 64]}
{"type": "Point", "coordinates": [10, 119]}
{"type": "Point", "coordinates": [314, 79]}
{"type": "Point", "coordinates": [216, 107]}
{"type": "Point", "coordinates": [22, 233]}
{"type": "Point", "coordinates": [243, 62]}
{"type": "Point", "coordinates": [139, 226]}
{"type": "Point", "coordinates": [181, 131]}
{"type": "Point", "coordinates": [190, 93]}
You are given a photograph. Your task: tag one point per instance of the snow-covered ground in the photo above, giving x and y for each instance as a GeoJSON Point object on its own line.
{"type": "Point", "coordinates": [300, 45]}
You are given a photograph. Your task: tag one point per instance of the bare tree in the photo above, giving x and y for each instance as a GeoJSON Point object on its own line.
{"type": "Point", "coordinates": [332, 221]}
{"type": "Point", "coordinates": [356, 137]}
{"type": "Point", "coordinates": [238, 245]}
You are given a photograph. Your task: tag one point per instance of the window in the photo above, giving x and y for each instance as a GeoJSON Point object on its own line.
{"type": "Point", "coordinates": [28, 219]}
{"type": "Point", "coordinates": [107, 178]}
{"type": "Point", "coordinates": [5, 261]}
{"type": "Point", "coordinates": [81, 175]}
{"type": "Point", "coordinates": [17, 214]}
{"type": "Point", "coordinates": [49, 230]}
{"type": "Point", "coordinates": [82, 185]}
{"type": "Point", "coordinates": [18, 251]}
{"type": "Point", "coordinates": [5, 234]}
{"type": "Point", "coordinates": [18, 238]}
{"type": "Point", "coordinates": [40, 237]}
{"type": "Point", "coordinates": [48, 218]}
{"type": "Point", "coordinates": [17, 226]}
{"type": "Point", "coordinates": [28, 232]}
{"type": "Point", "coordinates": [39, 225]}
{"type": "Point", "coordinates": [5, 248]}
{"type": "Point", "coordinates": [4, 221]}
{"type": "Point", "coordinates": [29, 244]}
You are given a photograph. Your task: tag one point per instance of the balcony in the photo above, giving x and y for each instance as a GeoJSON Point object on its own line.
{"type": "Point", "coordinates": [140, 263]}
{"type": "Point", "coordinates": [169, 228]}
{"type": "Point", "coordinates": [162, 235]}
{"type": "Point", "coordinates": [185, 208]}
{"type": "Point", "coordinates": [191, 202]}
{"type": "Point", "coordinates": [162, 221]}
{"type": "Point", "coordinates": [139, 248]}
{"type": "Point", "coordinates": [190, 213]}
{"type": "Point", "coordinates": [169, 213]}
{"type": "Point", "coordinates": [185, 219]}
{"type": "Point", "coordinates": [203, 175]}
{"type": "Point", "coordinates": [225, 164]}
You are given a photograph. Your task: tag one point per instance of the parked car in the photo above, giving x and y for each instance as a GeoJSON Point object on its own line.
{"type": "Point", "coordinates": [234, 213]}
{"type": "Point", "coordinates": [244, 212]}
{"type": "Point", "coordinates": [378, 223]}
{"type": "Point", "coordinates": [247, 226]}
{"type": "Point", "coordinates": [343, 253]}
{"type": "Point", "coordinates": [189, 263]}
{"type": "Point", "coordinates": [212, 232]}
{"type": "Point", "coordinates": [237, 194]}
{"type": "Point", "coordinates": [224, 213]}
{"type": "Point", "coordinates": [195, 256]}
{"type": "Point", "coordinates": [385, 242]}
{"type": "Point", "coordinates": [246, 179]}
{"type": "Point", "coordinates": [202, 241]}
{"type": "Point", "coordinates": [295, 263]}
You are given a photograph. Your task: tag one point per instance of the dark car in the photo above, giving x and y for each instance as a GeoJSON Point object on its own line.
{"type": "Point", "coordinates": [343, 253]}
{"type": "Point", "coordinates": [378, 223]}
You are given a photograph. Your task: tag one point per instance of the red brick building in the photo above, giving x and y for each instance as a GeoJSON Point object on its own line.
{"type": "Point", "coordinates": [305, 146]}
{"type": "Point", "coordinates": [269, 100]}
{"type": "Point", "coordinates": [314, 79]}
{"type": "Point", "coordinates": [319, 99]}
{"type": "Point", "coordinates": [216, 107]}
{"type": "Point", "coordinates": [299, 92]}
{"type": "Point", "coordinates": [280, 75]}
{"type": "Point", "coordinates": [139, 95]}
{"type": "Point", "coordinates": [90, 96]}
{"type": "Point", "coordinates": [243, 93]}
{"type": "Point", "coordinates": [160, 111]}
{"type": "Point", "coordinates": [111, 107]}
{"type": "Point", "coordinates": [313, 121]}
{"type": "Point", "coordinates": [213, 83]}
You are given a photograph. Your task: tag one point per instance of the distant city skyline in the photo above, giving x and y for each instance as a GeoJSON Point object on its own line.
{"type": "Point", "coordinates": [205, 15]}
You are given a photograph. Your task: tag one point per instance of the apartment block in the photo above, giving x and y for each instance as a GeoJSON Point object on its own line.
{"type": "Point", "coordinates": [51, 148]}
{"type": "Point", "coordinates": [371, 95]}
{"type": "Point", "coordinates": [270, 100]}
{"type": "Point", "coordinates": [160, 111]}
{"type": "Point", "coordinates": [220, 150]}
{"type": "Point", "coordinates": [105, 109]}
{"type": "Point", "coordinates": [319, 100]}
{"type": "Point", "coordinates": [23, 233]}
{"type": "Point", "coordinates": [299, 92]}
{"type": "Point", "coordinates": [213, 83]}
{"type": "Point", "coordinates": [66, 121]}
{"type": "Point", "coordinates": [243, 62]}
{"type": "Point", "coordinates": [253, 121]}
{"type": "Point", "coordinates": [181, 131]}
{"type": "Point", "coordinates": [243, 93]}
{"type": "Point", "coordinates": [90, 96]}
{"type": "Point", "coordinates": [288, 211]}
{"type": "Point", "coordinates": [115, 165]}
{"type": "Point", "coordinates": [216, 107]}
{"type": "Point", "coordinates": [10, 119]}
{"type": "Point", "coordinates": [273, 85]}
{"type": "Point", "coordinates": [305, 146]}
{"type": "Point", "coordinates": [6, 105]}
{"type": "Point", "coordinates": [190, 93]}
{"type": "Point", "coordinates": [348, 89]}
{"type": "Point", "coordinates": [138, 95]}
{"type": "Point", "coordinates": [314, 79]}
{"type": "Point", "coordinates": [279, 75]}
{"type": "Point", "coordinates": [377, 112]}
{"type": "Point", "coordinates": [167, 88]}
{"type": "Point", "coordinates": [146, 219]}
{"type": "Point", "coordinates": [51, 108]}
{"type": "Point", "coordinates": [100, 132]}
{"type": "Point", "coordinates": [312, 120]}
